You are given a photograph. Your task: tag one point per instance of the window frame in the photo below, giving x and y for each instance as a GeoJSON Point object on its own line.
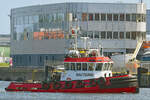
{"type": "Point", "coordinates": [83, 67]}
{"type": "Point", "coordinates": [103, 17]}
{"type": "Point", "coordinates": [115, 18]}
{"type": "Point", "coordinates": [97, 18]}
{"type": "Point", "coordinates": [109, 17]}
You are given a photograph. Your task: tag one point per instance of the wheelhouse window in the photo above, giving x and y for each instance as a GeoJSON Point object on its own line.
{"type": "Point", "coordinates": [72, 66]}
{"type": "Point", "coordinates": [111, 65]}
{"type": "Point", "coordinates": [78, 66]}
{"type": "Point", "coordinates": [91, 67]}
{"type": "Point", "coordinates": [108, 66]}
{"type": "Point", "coordinates": [105, 66]}
{"type": "Point", "coordinates": [66, 65]}
{"type": "Point", "coordinates": [99, 66]}
{"type": "Point", "coordinates": [84, 66]}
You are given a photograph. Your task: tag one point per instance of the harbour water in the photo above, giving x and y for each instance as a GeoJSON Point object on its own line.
{"type": "Point", "coordinates": [143, 95]}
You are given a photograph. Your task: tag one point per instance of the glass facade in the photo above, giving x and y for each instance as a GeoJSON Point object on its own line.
{"type": "Point", "coordinates": [51, 26]}
{"type": "Point", "coordinates": [39, 27]}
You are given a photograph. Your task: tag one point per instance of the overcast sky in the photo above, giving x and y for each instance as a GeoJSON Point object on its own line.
{"type": "Point", "coordinates": [6, 5]}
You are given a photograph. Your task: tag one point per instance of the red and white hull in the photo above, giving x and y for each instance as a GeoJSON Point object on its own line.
{"type": "Point", "coordinates": [119, 84]}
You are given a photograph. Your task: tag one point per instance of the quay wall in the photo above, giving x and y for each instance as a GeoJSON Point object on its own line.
{"type": "Point", "coordinates": [21, 74]}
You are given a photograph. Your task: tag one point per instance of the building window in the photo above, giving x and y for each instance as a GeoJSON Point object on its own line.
{"type": "Point", "coordinates": [74, 16]}
{"type": "Point", "coordinates": [128, 17]}
{"type": "Point", "coordinates": [127, 35]}
{"type": "Point", "coordinates": [133, 17]}
{"type": "Point", "coordinates": [143, 17]}
{"type": "Point", "coordinates": [139, 17]}
{"type": "Point", "coordinates": [138, 35]}
{"type": "Point", "coordinates": [121, 34]}
{"type": "Point", "coordinates": [143, 35]}
{"type": "Point", "coordinates": [29, 59]}
{"type": "Point", "coordinates": [84, 16]}
{"type": "Point", "coordinates": [97, 17]}
{"type": "Point", "coordinates": [17, 59]}
{"type": "Point", "coordinates": [115, 17]}
{"type": "Point", "coordinates": [90, 17]}
{"type": "Point", "coordinates": [35, 19]}
{"type": "Point", "coordinates": [20, 59]}
{"type": "Point", "coordinates": [109, 35]}
{"type": "Point", "coordinates": [109, 17]}
{"type": "Point", "coordinates": [46, 58]}
{"type": "Point", "coordinates": [90, 34]}
{"type": "Point", "coordinates": [40, 59]}
{"type": "Point", "coordinates": [115, 35]}
{"type": "Point", "coordinates": [84, 34]}
{"type": "Point", "coordinates": [133, 35]}
{"type": "Point", "coordinates": [26, 19]}
{"type": "Point", "coordinates": [122, 17]}
{"type": "Point", "coordinates": [103, 17]}
{"type": "Point", "coordinates": [103, 35]}
{"type": "Point", "coordinates": [96, 35]}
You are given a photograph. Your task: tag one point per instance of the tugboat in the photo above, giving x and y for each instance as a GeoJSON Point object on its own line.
{"type": "Point", "coordinates": [86, 70]}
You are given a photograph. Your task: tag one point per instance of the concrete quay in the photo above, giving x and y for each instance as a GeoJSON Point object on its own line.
{"type": "Point", "coordinates": [21, 74]}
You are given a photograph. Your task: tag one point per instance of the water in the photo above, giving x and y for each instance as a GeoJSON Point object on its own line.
{"type": "Point", "coordinates": [143, 95]}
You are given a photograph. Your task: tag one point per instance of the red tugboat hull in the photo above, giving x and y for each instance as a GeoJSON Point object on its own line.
{"type": "Point", "coordinates": [119, 84]}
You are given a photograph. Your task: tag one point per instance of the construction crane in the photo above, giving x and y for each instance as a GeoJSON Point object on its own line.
{"type": "Point", "coordinates": [133, 63]}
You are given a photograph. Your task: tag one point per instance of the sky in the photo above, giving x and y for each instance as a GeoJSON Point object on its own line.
{"type": "Point", "coordinates": [7, 5]}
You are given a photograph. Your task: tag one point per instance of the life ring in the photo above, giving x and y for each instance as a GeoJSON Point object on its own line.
{"type": "Point", "coordinates": [68, 85]}
{"type": "Point", "coordinates": [79, 84]}
{"type": "Point", "coordinates": [92, 82]}
{"type": "Point", "coordinates": [56, 85]}
{"type": "Point", "coordinates": [45, 85]}
{"type": "Point", "coordinates": [101, 82]}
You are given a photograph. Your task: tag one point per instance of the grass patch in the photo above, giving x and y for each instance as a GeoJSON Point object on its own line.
{"type": "Point", "coordinates": [4, 64]}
